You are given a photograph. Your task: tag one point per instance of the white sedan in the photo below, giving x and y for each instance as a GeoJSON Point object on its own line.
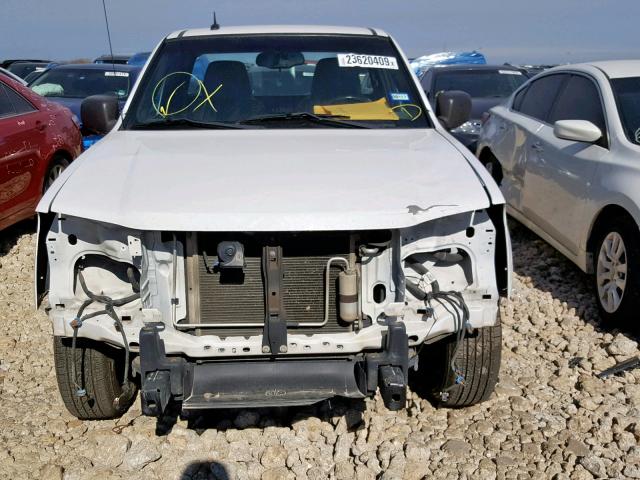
{"type": "Point", "coordinates": [566, 150]}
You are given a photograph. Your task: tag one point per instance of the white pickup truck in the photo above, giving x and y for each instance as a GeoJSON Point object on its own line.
{"type": "Point", "coordinates": [276, 217]}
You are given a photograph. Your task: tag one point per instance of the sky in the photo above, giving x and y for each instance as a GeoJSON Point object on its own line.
{"type": "Point", "coordinates": [517, 31]}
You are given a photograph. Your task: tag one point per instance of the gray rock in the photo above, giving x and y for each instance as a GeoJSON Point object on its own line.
{"type": "Point", "coordinates": [364, 473]}
{"type": "Point", "coordinates": [106, 449]}
{"type": "Point", "coordinates": [274, 456]}
{"type": "Point", "coordinates": [622, 346]}
{"type": "Point", "coordinates": [343, 447]}
{"type": "Point", "coordinates": [456, 447]}
{"type": "Point", "coordinates": [140, 455]}
{"type": "Point", "coordinates": [277, 473]}
{"type": "Point", "coordinates": [576, 447]}
{"type": "Point", "coordinates": [344, 470]}
{"type": "Point", "coordinates": [593, 465]}
{"type": "Point", "coordinates": [631, 471]}
{"type": "Point", "coordinates": [240, 451]}
{"type": "Point", "coordinates": [51, 472]}
{"type": "Point", "coordinates": [316, 473]}
{"type": "Point", "coordinates": [520, 404]}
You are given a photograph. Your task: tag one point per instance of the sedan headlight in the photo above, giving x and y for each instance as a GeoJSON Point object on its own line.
{"type": "Point", "coordinates": [472, 127]}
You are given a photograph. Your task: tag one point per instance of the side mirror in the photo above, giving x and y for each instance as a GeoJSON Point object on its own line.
{"type": "Point", "coordinates": [453, 108]}
{"type": "Point", "coordinates": [99, 113]}
{"type": "Point", "coordinates": [577, 130]}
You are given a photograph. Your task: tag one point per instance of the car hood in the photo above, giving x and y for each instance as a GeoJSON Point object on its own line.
{"type": "Point", "coordinates": [268, 180]}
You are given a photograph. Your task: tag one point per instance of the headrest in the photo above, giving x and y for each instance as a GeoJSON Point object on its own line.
{"type": "Point", "coordinates": [331, 81]}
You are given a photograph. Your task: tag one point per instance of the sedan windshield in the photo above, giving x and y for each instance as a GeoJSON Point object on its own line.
{"type": "Point", "coordinates": [480, 83]}
{"type": "Point", "coordinates": [82, 83]}
{"type": "Point", "coordinates": [627, 93]}
{"type": "Point", "coordinates": [278, 81]}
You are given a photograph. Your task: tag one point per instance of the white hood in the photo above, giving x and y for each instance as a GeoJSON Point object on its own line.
{"type": "Point", "coordinates": [268, 180]}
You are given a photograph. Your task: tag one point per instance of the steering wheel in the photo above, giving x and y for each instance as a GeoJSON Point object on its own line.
{"type": "Point", "coordinates": [349, 99]}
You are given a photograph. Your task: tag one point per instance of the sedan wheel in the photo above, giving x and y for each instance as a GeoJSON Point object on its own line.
{"type": "Point", "coordinates": [616, 264]}
{"type": "Point", "coordinates": [54, 173]}
{"type": "Point", "coordinates": [55, 170]}
{"type": "Point", "coordinates": [611, 272]}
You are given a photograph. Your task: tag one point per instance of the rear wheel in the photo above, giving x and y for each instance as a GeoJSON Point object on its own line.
{"type": "Point", "coordinates": [98, 372]}
{"type": "Point", "coordinates": [617, 271]}
{"type": "Point", "coordinates": [58, 164]}
{"type": "Point", "coordinates": [478, 360]}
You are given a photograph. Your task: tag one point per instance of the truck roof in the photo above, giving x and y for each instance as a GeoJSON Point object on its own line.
{"type": "Point", "coordinates": [275, 29]}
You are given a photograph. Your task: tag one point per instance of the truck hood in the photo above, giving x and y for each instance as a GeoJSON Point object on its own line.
{"type": "Point", "coordinates": [268, 180]}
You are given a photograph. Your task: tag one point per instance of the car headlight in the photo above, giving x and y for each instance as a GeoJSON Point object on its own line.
{"type": "Point", "coordinates": [472, 127]}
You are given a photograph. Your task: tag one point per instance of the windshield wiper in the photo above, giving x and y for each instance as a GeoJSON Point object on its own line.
{"type": "Point", "coordinates": [330, 120]}
{"type": "Point", "coordinates": [182, 122]}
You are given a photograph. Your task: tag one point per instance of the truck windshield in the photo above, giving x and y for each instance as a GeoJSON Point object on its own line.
{"type": "Point", "coordinates": [277, 81]}
{"type": "Point", "coordinates": [627, 94]}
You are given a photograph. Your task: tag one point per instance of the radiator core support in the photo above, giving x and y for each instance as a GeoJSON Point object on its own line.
{"type": "Point", "coordinates": [274, 335]}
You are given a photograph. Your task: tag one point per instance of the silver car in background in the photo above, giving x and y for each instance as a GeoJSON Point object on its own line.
{"type": "Point", "coordinates": [566, 150]}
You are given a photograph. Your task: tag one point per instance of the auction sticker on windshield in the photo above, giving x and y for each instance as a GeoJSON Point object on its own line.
{"type": "Point", "coordinates": [367, 61]}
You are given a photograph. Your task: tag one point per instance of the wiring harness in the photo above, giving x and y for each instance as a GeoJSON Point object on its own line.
{"type": "Point", "coordinates": [128, 388]}
{"type": "Point", "coordinates": [453, 302]}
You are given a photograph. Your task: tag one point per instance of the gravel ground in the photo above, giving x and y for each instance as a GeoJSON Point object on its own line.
{"type": "Point", "coordinates": [547, 419]}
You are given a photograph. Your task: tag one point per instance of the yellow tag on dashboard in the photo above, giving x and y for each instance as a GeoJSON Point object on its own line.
{"type": "Point", "coordinates": [378, 110]}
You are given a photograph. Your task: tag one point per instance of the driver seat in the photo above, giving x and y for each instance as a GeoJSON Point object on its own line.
{"type": "Point", "coordinates": [330, 81]}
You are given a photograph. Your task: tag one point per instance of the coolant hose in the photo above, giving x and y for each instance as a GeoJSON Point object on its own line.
{"type": "Point", "coordinates": [420, 269]}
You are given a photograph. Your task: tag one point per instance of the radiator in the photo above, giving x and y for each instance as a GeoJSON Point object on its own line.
{"type": "Point", "coordinates": [231, 297]}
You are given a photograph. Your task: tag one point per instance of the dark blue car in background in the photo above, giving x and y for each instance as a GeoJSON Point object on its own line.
{"type": "Point", "coordinates": [70, 84]}
{"type": "Point", "coordinates": [139, 59]}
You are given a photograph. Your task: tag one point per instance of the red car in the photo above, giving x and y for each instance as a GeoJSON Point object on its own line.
{"type": "Point", "coordinates": [38, 140]}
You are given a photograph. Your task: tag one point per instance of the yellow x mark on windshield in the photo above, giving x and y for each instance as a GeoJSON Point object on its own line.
{"type": "Point", "coordinates": [207, 97]}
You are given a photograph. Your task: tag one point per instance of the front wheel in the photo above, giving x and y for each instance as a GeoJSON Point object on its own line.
{"type": "Point", "coordinates": [99, 371]}
{"type": "Point", "coordinates": [478, 361]}
{"type": "Point", "coordinates": [617, 271]}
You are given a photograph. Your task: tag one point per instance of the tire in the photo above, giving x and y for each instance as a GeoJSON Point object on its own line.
{"type": "Point", "coordinates": [493, 166]}
{"type": "Point", "coordinates": [478, 359]}
{"type": "Point", "coordinates": [99, 371]}
{"type": "Point", "coordinates": [57, 166]}
{"type": "Point", "coordinates": [618, 245]}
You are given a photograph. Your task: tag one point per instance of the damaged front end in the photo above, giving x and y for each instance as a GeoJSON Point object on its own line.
{"type": "Point", "coordinates": [240, 319]}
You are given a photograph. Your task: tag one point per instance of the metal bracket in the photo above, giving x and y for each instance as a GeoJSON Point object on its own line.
{"type": "Point", "coordinates": [161, 376]}
{"type": "Point", "coordinates": [274, 336]}
{"type": "Point", "coordinates": [392, 381]}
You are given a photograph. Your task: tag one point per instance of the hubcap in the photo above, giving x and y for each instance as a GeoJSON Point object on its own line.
{"type": "Point", "coordinates": [489, 167]}
{"type": "Point", "coordinates": [54, 173]}
{"type": "Point", "coordinates": [611, 272]}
